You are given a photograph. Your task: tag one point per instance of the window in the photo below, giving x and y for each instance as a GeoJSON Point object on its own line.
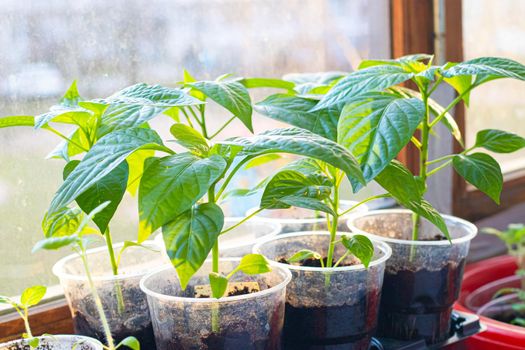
{"type": "Point", "coordinates": [108, 45]}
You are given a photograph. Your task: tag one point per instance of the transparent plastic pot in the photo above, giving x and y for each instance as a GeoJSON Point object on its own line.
{"type": "Point", "coordinates": [502, 309]}
{"type": "Point", "coordinates": [423, 278]}
{"type": "Point", "coordinates": [328, 308]}
{"type": "Point", "coordinates": [249, 321]}
{"type": "Point", "coordinates": [124, 304]}
{"type": "Point", "coordinates": [55, 342]}
{"type": "Point", "coordinates": [483, 295]}
{"type": "Point", "coordinates": [300, 219]}
{"type": "Point", "coordinates": [239, 241]}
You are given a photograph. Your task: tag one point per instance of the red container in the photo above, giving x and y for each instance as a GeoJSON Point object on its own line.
{"type": "Point", "coordinates": [499, 335]}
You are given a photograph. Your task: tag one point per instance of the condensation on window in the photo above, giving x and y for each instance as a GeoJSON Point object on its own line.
{"type": "Point", "coordinates": [490, 30]}
{"type": "Point", "coordinates": [107, 45]}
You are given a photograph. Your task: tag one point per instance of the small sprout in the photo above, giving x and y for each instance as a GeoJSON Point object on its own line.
{"type": "Point", "coordinates": [219, 284]}
{"type": "Point", "coordinates": [361, 247]}
{"type": "Point", "coordinates": [130, 342]}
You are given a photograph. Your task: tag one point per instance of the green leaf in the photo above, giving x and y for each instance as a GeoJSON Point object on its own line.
{"type": "Point", "coordinates": [482, 171]}
{"type": "Point", "coordinates": [102, 158]}
{"type": "Point", "coordinates": [171, 185]}
{"type": "Point", "coordinates": [295, 111]}
{"type": "Point", "coordinates": [63, 222]}
{"type": "Point", "coordinates": [376, 128]}
{"type": "Point", "coordinates": [360, 246]}
{"type": "Point", "coordinates": [300, 142]}
{"type": "Point", "coordinates": [17, 120]}
{"type": "Point", "coordinates": [110, 188]}
{"type": "Point", "coordinates": [130, 342]}
{"type": "Point", "coordinates": [266, 83]}
{"type": "Point", "coordinates": [152, 95]}
{"type": "Point", "coordinates": [291, 188]}
{"type": "Point", "coordinates": [408, 191]}
{"type": "Point", "coordinates": [499, 141]}
{"type": "Point", "coordinates": [395, 62]}
{"type": "Point", "coordinates": [486, 69]}
{"type": "Point", "coordinates": [190, 237]}
{"type": "Point", "coordinates": [461, 83]}
{"type": "Point", "coordinates": [218, 284]}
{"type": "Point", "coordinates": [321, 78]}
{"type": "Point", "coordinates": [231, 95]}
{"type": "Point", "coordinates": [370, 79]}
{"type": "Point", "coordinates": [71, 98]}
{"type": "Point", "coordinates": [32, 295]}
{"type": "Point", "coordinates": [264, 159]}
{"type": "Point", "coordinates": [136, 162]}
{"type": "Point", "coordinates": [33, 343]}
{"type": "Point", "coordinates": [254, 264]}
{"type": "Point", "coordinates": [189, 138]}
{"type": "Point", "coordinates": [304, 254]}
{"type": "Point", "coordinates": [126, 116]}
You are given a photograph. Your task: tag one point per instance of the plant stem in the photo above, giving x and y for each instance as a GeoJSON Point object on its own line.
{"type": "Point", "coordinates": [451, 105]}
{"type": "Point", "coordinates": [242, 221]}
{"type": "Point", "coordinates": [98, 302]}
{"type": "Point", "coordinates": [58, 133]}
{"type": "Point", "coordinates": [222, 127]}
{"type": "Point", "coordinates": [440, 159]}
{"type": "Point", "coordinates": [342, 258]}
{"type": "Point", "coordinates": [369, 199]}
{"type": "Point", "coordinates": [333, 227]}
{"type": "Point", "coordinates": [26, 323]}
{"type": "Point", "coordinates": [114, 268]}
{"type": "Point", "coordinates": [215, 326]}
{"type": "Point", "coordinates": [187, 117]}
{"type": "Point", "coordinates": [230, 176]}
{"type": "Point", "coordinates": [444, 165]}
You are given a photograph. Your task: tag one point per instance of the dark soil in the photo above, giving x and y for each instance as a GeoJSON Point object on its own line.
{"type": "Point", "coordinates": [437, 237]}
{"type": "Point", "coordinates": [417, 304]}
{"type": "Point", "coordinates": [144, 335]}
{"type": "Point", "coordinates": [334, 328]}
{"type": "Point", "coordinates": [235, 292]}
{"type": "Point", "coordinates": [317, 262]}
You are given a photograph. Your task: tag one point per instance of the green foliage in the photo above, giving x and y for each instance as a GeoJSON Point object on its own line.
{"type": "Point", "coordinates": [19, 120]}
{"type": "Point", "coordinates": [304, 254]}
{"type": "Point", "coordinates": [499, 141]}
{"type": "Point", "coordinates": [130, 342]}
{"type": "Point", "coordinates": [360, 246]}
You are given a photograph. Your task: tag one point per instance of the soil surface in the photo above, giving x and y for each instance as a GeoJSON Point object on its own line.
{"type": "Point", "coordinates": [317, 262]}
{"type": "Point", "coordinates": [437, 237]}
{"type": "Point", "coordinates": [422, 299]}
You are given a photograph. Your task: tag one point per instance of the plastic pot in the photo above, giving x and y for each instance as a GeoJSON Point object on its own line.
{"type": "Point", "coordinates": [55, 342]}
{"type": "Point", "coordinates": [239, 241]}
{"type": "Point", "coordinates": [423, 278]}
{"type": "Point", "coordinates": [301, 220]}
{"type": "Point", "coordinates": [499, 335]}
{"type": "Point", "coordinates": [332, 308]}
{"type": "Point", "coordinates": [249, 321]}
{"type": "Point", "coordinates": [124, 303]}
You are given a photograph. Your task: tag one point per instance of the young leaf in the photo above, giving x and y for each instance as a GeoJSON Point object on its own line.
{"type": "Point", "coordinates": [190, 237]}
{"type": "Point", "coordinates": [395, 62]}
{"type": "Point", "coordinates": [499, 141]}
{"type": "Point", "coordinates": [254, 264]}
{"type": "Point", "coordinates": [33, 343]}
{"type": "Point", "coordinates": [304, 254]}
{"type": "Point", "coordinates": [300, 142]}
{"type": "Point", "coordinates": [292, 188]}
{"type": "Point", "coordinates": [266, 83]}
{"type": "Point", "coordinates": [32, 295]}
{"type": "Point", "coordinates": [171, 185]}
{"type": "Point", "coordinates": [54, 243]}
{"type": "Point", "coordinates": [482, 171]}
{"type": "Point", "coordinates": [232, 95]}
{"type": "Point", "coordinates": [375, 129]}
{"type": "Point", "coordinates": [360, 246]}
{"type": "Point", "coordinates": [130, 342]}
{"type": "Point", "coordinates": [487, 68]}
{"type": "Point", "coordinates": [63, 222]}
{"type": "Point", "coordinates": [106, 155]}
{"type": "Point", "coordinates": [18, 120]}
{"type": "Point", "coordinates": [295, 111]}
{"type": "Point", "coordinates": [189, 138]}
{"type": "Point", "coordinates": [408, 191]}
{"type": "Point", "coordinates": [218, 284]}
{"type": "Point", "coordinates": [363, 81]}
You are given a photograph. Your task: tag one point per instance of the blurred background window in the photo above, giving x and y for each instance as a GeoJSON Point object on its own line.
{"type": "Point", "coordinates": [107, 45]}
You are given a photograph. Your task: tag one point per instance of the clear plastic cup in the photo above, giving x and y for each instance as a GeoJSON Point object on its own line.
{"type": "Point", "coordinates": [423, 278]}
{"type": "Point", "coordinates": [503, 308]}
{"type": "Point", "coordinates": [300, 219]}
{"type": "Point", "coordinates": [484, 294]}
{"type": "Point", "coordinates": [124, 304]}
{"type": "Point", "coordinates": [55, 342]}
{"type": "Point", "coordinates": [249, 321]}
{"type": "Point", "coordinates": [328, 307]}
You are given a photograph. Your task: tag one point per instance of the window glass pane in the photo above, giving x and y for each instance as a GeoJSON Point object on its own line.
{"type": "Point", "coordinates": [107, 45]}
{"type": "Point", "coordinates": [491, 29]}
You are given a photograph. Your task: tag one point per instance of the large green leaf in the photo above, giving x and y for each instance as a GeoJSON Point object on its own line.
{"type": "Point", "coordinates": [460, 83]}
{"type": "Point", "coordinates": [482, 171]}
{"type": "Point", "coordinates": [375, 129]}
{"type": "Point", "coordinates": [17, 120]}
{"type": "Point", "coordinates": [232, 95]}
{"type": "Point", "coordinates": [151, 95]}
{"type": "Point", "coordinates": [102, 158]}
{"type": "Point", "coordinates": [486, 69]}
{"type": "Point", "coordinates": [125, 116]}
{"type": "Point", "coordinates": [395, 62]}
{"type": "Point", "coordinates": [190, 237]}
{"type": "Point", "coordinates": [110, 188]}
{"type": "Point", "coordinates": [292, 188]}
{"type": "Point", "coordinates": [295, 111]}
{"type": "Point", "coordinates": [408, 191]}
{"type": "Point", "coordinates": [171, 185]}
{"type": "Point", "coordinates": [499, 141]}
{"type": "Point", "coordinates": [267, 83]}
{"type": "Point", "coordinates": [376, 78]}
{"type": "Point", "coordinates": [301, 142]}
